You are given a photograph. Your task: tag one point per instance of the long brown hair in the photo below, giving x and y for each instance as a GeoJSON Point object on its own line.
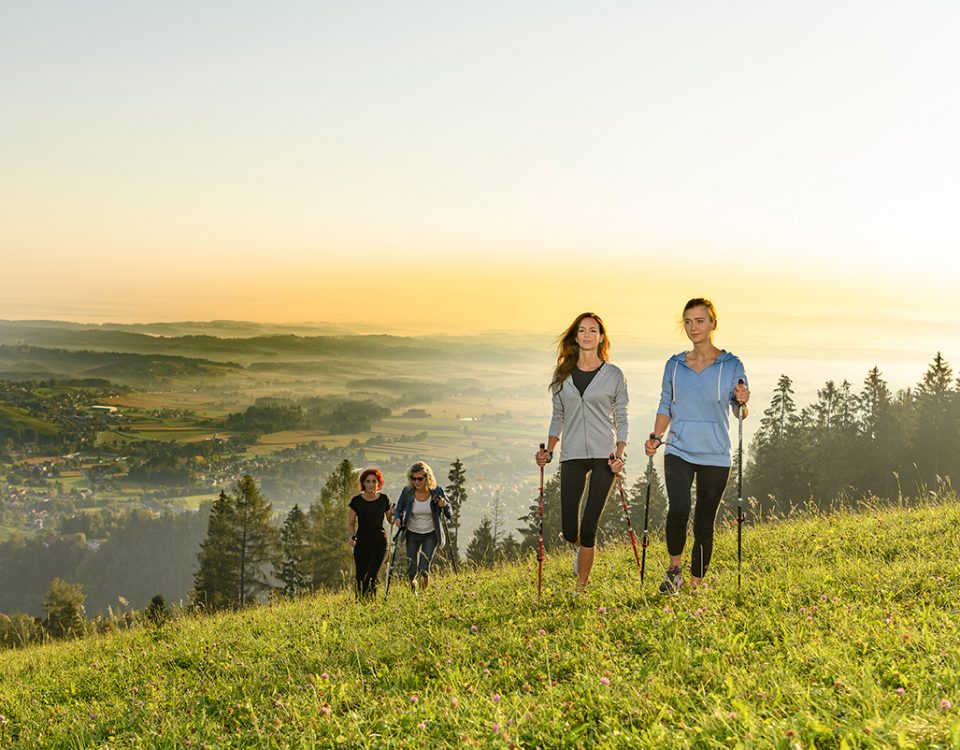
{"type": "Point", "coordinates": [568, 350]}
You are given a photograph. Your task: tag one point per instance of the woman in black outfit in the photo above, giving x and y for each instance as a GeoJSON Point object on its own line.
{"type": "Point", "coordinates": [365, 529]}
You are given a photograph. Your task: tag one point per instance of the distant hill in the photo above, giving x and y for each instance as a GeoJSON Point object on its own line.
{"type": "Point", "coordinates": [26, 362]}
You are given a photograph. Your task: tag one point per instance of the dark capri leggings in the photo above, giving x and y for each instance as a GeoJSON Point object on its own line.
{"type": "Point", "coordinates": [573, 478]}
{"type": "Point", "coordinates": [711, 481]}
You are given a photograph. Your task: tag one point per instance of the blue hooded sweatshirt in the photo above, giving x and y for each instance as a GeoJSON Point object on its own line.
{"type": "Point", "coordinates": [697, 405]}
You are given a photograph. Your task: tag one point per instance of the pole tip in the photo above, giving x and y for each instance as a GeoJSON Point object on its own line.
{"type": "Point", "coordinates": [543, 446]}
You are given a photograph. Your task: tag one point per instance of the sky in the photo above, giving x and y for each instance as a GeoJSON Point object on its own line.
{"type": "Point", "coordinates": [436, 166]}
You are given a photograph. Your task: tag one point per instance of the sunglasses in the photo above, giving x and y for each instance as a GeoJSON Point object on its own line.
{"type": "Point", "coordinates": [419, 479]}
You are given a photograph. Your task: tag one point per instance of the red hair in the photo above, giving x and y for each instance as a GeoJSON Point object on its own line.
{"type": "Point", "coordinates": [371, 472]}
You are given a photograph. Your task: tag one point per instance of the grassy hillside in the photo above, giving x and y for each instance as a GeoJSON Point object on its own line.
{"type": "Point", "coordinates": [845, 635]}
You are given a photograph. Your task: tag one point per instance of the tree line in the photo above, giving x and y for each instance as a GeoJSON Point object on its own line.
{"type": "Point", "coordinates": [852, 443]}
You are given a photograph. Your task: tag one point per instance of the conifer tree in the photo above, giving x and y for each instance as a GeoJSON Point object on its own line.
{"type": "Point", "coordinates": [215, 584]}
{"type": "Point", "coordinates": [936, 442]}
{"type": "Point", "coordinates": [255, 539]}
{"type": "Point", "coordinates": [329, 559]}
{"type": "Point", "coordinates": [483, 547]}
{"type": "Point", "coordinates": [290, 566]}
{"type": "Point", "coordinates": [773, 469]}
{"type": "Point", "coordinates": [456, 495]}
{"type": "Point", "coordinates": [240, 542]}
{"type": "Point", "coordinates": [66, 616]}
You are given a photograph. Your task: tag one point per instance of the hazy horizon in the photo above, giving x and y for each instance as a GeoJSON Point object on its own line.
{"type": "Point", "coordinates": [454, 169]}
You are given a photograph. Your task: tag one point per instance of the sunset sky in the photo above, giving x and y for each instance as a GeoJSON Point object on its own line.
{"type": "Point", "coordinates": [468, 166]}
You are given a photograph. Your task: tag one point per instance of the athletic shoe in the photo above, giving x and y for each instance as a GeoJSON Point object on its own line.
{"type": "Point", "coordinates": [576, 560]}
{"type": "Point", "coordinates": [672, 581]}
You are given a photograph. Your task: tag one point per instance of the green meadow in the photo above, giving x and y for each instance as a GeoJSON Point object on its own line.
{"type": "Point", "coordinates": [843, 635]}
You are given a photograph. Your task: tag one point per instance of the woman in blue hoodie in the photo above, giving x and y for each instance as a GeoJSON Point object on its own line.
{"type": "Point", "coordinates": [699, 386]}
{"type": "Point", "coordinates": [590, 412]}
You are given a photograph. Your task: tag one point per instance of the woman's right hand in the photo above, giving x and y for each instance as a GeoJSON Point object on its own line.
{"type": "Point", "coordinates": [542, 457]}
{"type": "Point", "coordinates": [650, 447]}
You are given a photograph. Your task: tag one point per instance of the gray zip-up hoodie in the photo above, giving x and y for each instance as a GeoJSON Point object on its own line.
{"type": "Point", "coordinates": [593, 424]}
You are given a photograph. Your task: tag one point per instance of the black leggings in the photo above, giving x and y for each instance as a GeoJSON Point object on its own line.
{"type": "Point", "coordinates": [711, 481]}
{"type": "Point", "coordinates": [368, 556]}
{"type": "Point", "coordinates": [573, 478]}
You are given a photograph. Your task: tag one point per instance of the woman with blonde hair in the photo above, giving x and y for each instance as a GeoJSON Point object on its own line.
{"type": "Point", "coordinates": [590, 413]}
{"type": "Point", "coordinates": [700, 388]}
{"type": "Point", "coordinates": [418, 513]}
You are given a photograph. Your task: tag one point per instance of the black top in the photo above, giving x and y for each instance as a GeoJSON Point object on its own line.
{"type": "Point", "coordinates": [582, 379]}
{"type": "Point", "coordinates": [370, 514]}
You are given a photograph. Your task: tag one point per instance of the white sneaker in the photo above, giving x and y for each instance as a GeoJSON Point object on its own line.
{"type": "Point", "coordinates": [576, 560]}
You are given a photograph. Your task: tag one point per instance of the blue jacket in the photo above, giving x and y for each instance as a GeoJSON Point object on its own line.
{"type": "Point", "coordinates": [697, 404]}
{"type": "Point", "coordinates": [405, 503]}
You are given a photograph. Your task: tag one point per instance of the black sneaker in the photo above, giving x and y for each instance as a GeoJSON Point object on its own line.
{"type": "Point", "coordinates": [672, 581]}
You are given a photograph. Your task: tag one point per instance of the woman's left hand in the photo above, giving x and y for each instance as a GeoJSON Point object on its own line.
{"type": "Point", "coordinates": [741, 393]}
{"type": "Point", "coordinates": [616, 465]}
{"type": "Point", "coordinates": [441, 502]}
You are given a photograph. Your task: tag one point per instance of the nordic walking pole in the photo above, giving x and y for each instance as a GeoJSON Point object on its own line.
{"type": "Point", "coordinates": [646, 519]}
{"type": "Point", "coordinates": [626, 514]}
{"type": "Point", "coordinates": [739, 487]}
{"type": "Point", "coordinates": [393, 561]}
{"type": "Point", "coordinates": [450, 550]}
{"type": "Point", "coordinates": [543, 447]}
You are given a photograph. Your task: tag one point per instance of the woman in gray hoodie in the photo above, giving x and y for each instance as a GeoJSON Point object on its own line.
{"type": "Point", "coordinates": [700, 388]}
{"type": "Point", "coordinates": [590, 412]}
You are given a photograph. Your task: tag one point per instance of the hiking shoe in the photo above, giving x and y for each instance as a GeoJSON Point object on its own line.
{"type": "Point", "coordinates": [672, 581]}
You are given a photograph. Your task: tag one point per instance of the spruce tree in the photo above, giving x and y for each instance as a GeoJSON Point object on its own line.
{"type": "Point", "coordinates": [773, 467]}
{"type": "Point", "coordinates": [936, 443]}
{"type": "Point", "coordinates": [290, 566]}
{"type": "Point", "coordinates": [66, 616]}
{"type": "Point", "coordinates": [456, 495]}
{"type": "Point", "coordinates": [215, 584]}
{"type": "Point", "coordinates": [240, 542]}
{"type": "Point", "coordinates": [255, 539]}
{"type": "Point", "coordinates": [329, 560]}
{"type": "Point", "coordinates": [483, 547]}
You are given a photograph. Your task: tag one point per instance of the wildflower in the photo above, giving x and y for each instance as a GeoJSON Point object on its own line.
{"type": "Point", "coordinates": [496, 727]}
{"type": "Point", "coordinates": [325, 676]}
{"type": "Point", "coordinates": [823, 597]}
{"type": "Point", "coordinates": [325, 709]}
{"type": "Point", "coordinates": [495, 697]}
{"type": "Point", "coordinates": [601, 610]}
{"type": "Point", "coordinates": [423, 725]}
{"type": "Point", "coordinates": [791, 733]}
{"type": "Point", "coordinates": [414, 699]}
{"type": "Point", "coordinates": [454, 703]}
{"type": "Point", "coordinates": [3, 720]}
{"type": "Point", "coordinates": [945, 704]}
{"type": "Point", "coordinates": [541, 632]}
{"type": "Point", "coordinates": [732, 716]}
{"type": "Point", "coordinates": [605, 681]}
{"type": "Point", "coordinates": [900, 691]}
{"type": "Point", "coordinates": [667, 609]}
{"type": "Point", "coordinates": [527, 716]}
{"type": "Point", "coordinates": [474, 629]}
